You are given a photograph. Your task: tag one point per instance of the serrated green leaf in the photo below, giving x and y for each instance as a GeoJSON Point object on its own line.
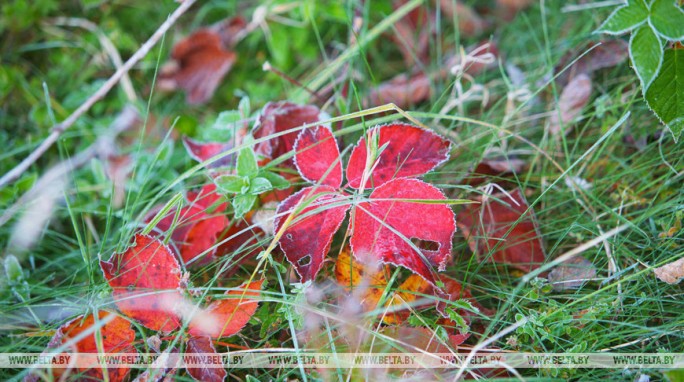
{"type": "Point", "coordinates": [247, 163]}
{"type": "Point", "coordinates": [231, 184]}
{"type": "Point", "coordinates": [625, 18]}
{"type": "Point", "coordinates": [277, 181]}
{"type": "Point", "coordinates": [665, 96]}
{"type": "Point", "coordinates": [224, 127]}
{"type": "Point", "coordinates": [668, 19]}
{"type": "Point", "coordinates": [243, 204]}
{"type": "Point", "coordinates": [646, 51]}
{"type": "Point", "coordinates": [259, 186]}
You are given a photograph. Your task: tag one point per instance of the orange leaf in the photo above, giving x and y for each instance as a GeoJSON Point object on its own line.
{"type": "Point", "coordinates": [227, 317]}
{"type": "Point", "coordinates": [117, 337]}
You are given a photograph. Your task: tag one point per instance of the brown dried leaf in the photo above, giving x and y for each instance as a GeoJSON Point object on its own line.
{"type": "Point", "coordinates": [200, 62]}
{"type": "Point", "coordinates": [608, 54]}
{"type": "Point", "coordinates": [671, 273]}
{"type": "Point", "coordinates": [572, 274]}
{"type": "Point", "coordinates": [571, 102]}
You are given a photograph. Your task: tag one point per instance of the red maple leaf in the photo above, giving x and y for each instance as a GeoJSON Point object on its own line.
{"type": "Point", "coordinates": [400, 211]}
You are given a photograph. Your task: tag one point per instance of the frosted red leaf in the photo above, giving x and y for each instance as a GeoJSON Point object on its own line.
{"type": "Point", "coordinates": [429, 225]}
{"type": "Point", "coordinates": [200, 62]}
{"type": "Point", "coordinates": [410, 151]}
{"type": "Point", "coordinates": [278, 117]}
{"type": "Point", "coordinates": [487, 226]}
{"type": "Point", "coordinates": [239, 243]}
{"type": "Point", "coordinates": [198, 247]}
{"type": "Point", "coordinates": [145, 280]}
{"type": "Point", "coordinates": [204, 346]}
{"type": "Point", "coordinates": [208, 198]}
{"type": "Point", "coordinates": [117, 337]}
{"type": "Point", "coordinates": [203, 151]}
{"type": "Point", "coordinates": [317, 157]}
{"type": "Point", "coordinates": [224, 318]}
{"type": "Point", "coordinates": [307, 239]}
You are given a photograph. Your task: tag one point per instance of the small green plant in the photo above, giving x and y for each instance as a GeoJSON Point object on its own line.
{"type": "Point", "coordinates": [249, 182]}
{"type": "Point", "coordinates": [657, 29]}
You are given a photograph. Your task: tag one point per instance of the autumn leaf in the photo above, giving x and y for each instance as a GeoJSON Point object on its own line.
{"type": "Point", "coordinates": [409, 151]}
{"type": "Point", "coordinates": [415, 235]}
{"type": "Point", "coordinates": [199, 63]}
{"type": "Point", "coordinates": [572, 274]}
{"type": "Point", "coordinates": [227, 317]}
{"type": "Point", "coordinates": [315, 150]}
{"type": "Point", "coordinates": [204, 346]}
{"type": "Point", "coordinates": [201, 152]}
{"type": "Point", "coordinates": [145, 280]}
{"type": "Point", "coordinates": [487, 226]}
{"type": "Point", "coordinates": [572, 100]}
{"type": "Point", "coordinates": [671, 273]}
{"type": "Point", "coordinates": [383, 227]}
{"type": "Point", "coordinates": [115, 332]}
{"type": "Point", "coordinates": [278, 118]}
{"type": "Point", "coordinates": [308, 238]}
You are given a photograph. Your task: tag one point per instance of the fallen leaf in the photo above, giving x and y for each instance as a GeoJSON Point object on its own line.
{"type": "Point", "coordinates": [402, 91]}
{"type": "Point", "coordinates": [204, 346]}
{"type": "Point", "coordinates": [606, 55]}
{"type": "Point", "coordinates": [494, 169]}
{"type": "Point", "coordinates": [229, 315]}
{"type": "Point", "coordinates": [368, 284]}
{"type": "Point", "coordinates": [393, 223]}
{"type": "Point", "coordinates": [202, 152]}
{"type": "Point", "coordinates": [572, 274]}
{"type": "Point", "coordinates": [317, 157]}
{"type": "Point", "coordinates": [117, 337]}
{"type": "Point", "coordinates": [573, 99]}
{"type": "Point", "coordinates": [145, 280]}
{"type": "Point", "coordinates": [671, 273]}
{"type": "Point", "coordinates": [410, 151]}
{"type": "Point", "coordinates": [118, 168]}
{"type": "Point", "coordinates": [308, 237]}
{"type": "Point", "coordinates": [200, 61]}
{"type": "Point", "coordinates": [278, 118]}
{"type": "Point", "coordinates": [486, 227]}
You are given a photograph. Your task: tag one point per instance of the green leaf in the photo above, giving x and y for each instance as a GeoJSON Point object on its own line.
{"type": "Point", "coordinates": [668, 19]}
{"type": "Point", "coordinates": [665, 96]}
{"type": "Point", "coordinates": [247, 163]}
{"type": "Point", "coordinates": [625, 18]}
{"type": "Point", "coordinates": [277, 181]}
{"type": "Point", "coordinates": [259, 186]}
{"type": "Point", "coordinates": [224, 127]}
{"type": "Point", "coordinates": [646, 51]}
{"type": "Point", "coordinates": [231, 184]}
{"type": "Point", "coordinates": [244, 107]}
{"type": "Point", "coordinates": [243, 204]}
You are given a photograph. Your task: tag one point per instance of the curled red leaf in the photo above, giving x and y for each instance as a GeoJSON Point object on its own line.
{"type": "Point", "coordinates": [279, 117]}
{"type": "Point", "coordinates": [308, 236]}
{"type": "Point", "coordinates": [487, 226]}
{"type": "Point", "coordinates": [410, 151]}
{"type": "Point", "coordinates": [317, 157]}
{"type": "Point", "coordinates": [204, 346]}
{"type": "Point", "coordinates": [145, 280]}
{"type": "Point", "coordinates": [224, 318]}
{"type": "Point", "coordinates": [394, 222]}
